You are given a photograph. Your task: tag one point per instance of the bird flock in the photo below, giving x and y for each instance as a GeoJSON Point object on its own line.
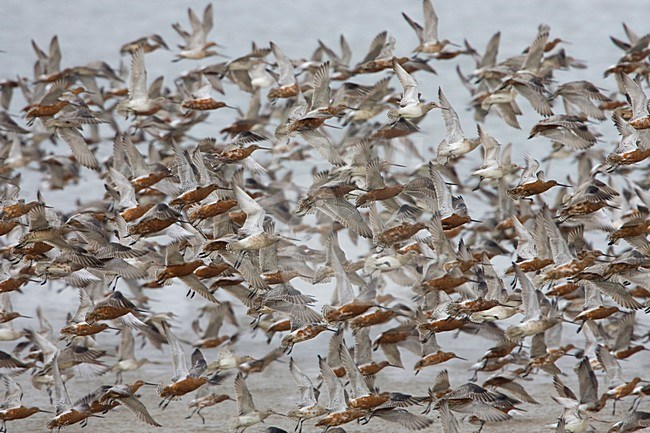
{"type": "Point", "coordinates": [538, 268]}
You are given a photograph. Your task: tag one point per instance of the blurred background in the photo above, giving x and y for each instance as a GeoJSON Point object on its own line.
{"type": "Point", "coordinates": [90, 31]}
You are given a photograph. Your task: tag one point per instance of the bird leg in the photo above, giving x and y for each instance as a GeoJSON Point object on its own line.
{"type": "Point", "coordinates": [635, 404]}
{"type": "Point", "coordinates": [240, 258]}
{"type": "Point", "coordinates": [165, 402]}
{"type": "Point", "coordinates": [117, 277]}
{"type": "Point", "coordinates": [427, 410]}
{"type": "Point", "coordinates": [255, 323]}
{"type": "Point", "coordinates": [190, 415]}
{"type": "Point", "coordinates": [201, 416]}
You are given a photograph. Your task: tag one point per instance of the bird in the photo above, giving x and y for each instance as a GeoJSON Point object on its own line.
{"type": "Point", "coordinates": [639, 102]}
{"type": "Point", "coordinates": [12, 407]}
{"type": "Point", "coordinates": [185, 379]}
{"type": "Point", "coordinates": [428, 34]}
{"type": "Point", "coordinates": [66, 413]}
{"type": "Point", "coordinates": [138, 101]}
{"type": "Point", "coordinates": [126, 356]}
{"type": "Point", "coordinates": [308, 406]}
{"type": "Point", "coordinates": [410, 105]}
{"type": "Point", "coordinates": [247, 414]}
{"type": "Point", "coordinates": [323, 205]}
{"type": "Point", "coordinates": [205, 397]}
{"type": "Point", "coordinates": [455, 144]}
{"type": "Point", "coordinates": [196, 43]}
{"type": "Point", "coordinates": [492, 167]}
{"type": "Point", "coordinates": [126, 397]}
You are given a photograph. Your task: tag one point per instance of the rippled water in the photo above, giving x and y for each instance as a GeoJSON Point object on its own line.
{"type": "Point", "coordinates": [91, 31]}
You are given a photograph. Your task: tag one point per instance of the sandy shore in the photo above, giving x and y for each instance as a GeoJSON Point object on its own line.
{"type": "Point", "coordinates": [275, 389]}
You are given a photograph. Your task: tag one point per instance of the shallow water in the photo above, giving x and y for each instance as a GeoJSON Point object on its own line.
{"type": "Point", "coordinates": [90, 31]}
{"type": "Point", "coordinates": [274, 389]}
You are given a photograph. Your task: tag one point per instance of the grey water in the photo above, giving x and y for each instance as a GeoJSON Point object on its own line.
{"type": "Point", "coordinates": [90, 31]}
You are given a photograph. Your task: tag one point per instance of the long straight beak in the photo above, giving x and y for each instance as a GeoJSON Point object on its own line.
{"type": "Point", "coordinates": [150, 384]}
